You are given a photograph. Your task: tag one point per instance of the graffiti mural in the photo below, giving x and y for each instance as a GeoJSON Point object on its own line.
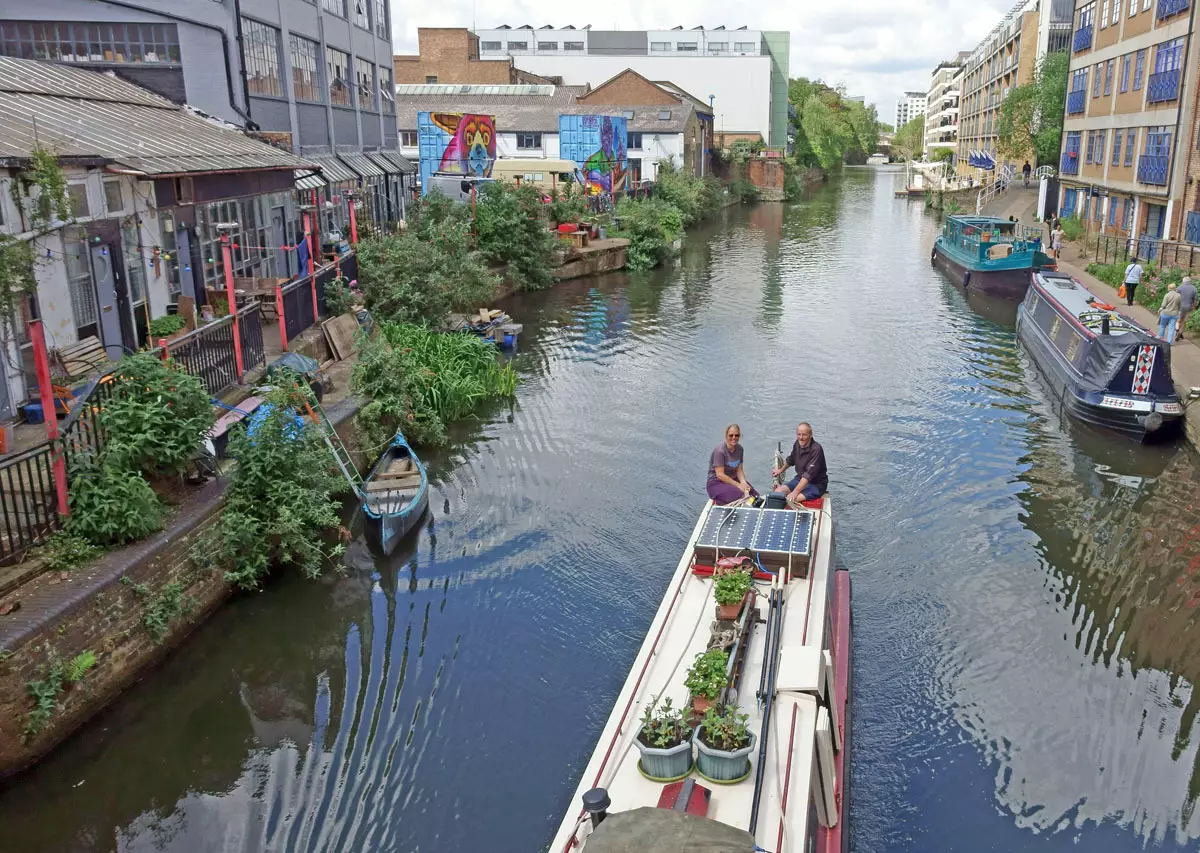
{"type": "Point", "coordinates": [597, 145]}
{"type": "Point", "coordinates": [457, 143]}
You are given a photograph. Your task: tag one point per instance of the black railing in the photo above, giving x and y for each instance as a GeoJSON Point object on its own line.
{"type": "Point", "coordinates": [1116, 249]}
{"type": "Point", "coordinates": [28, 501]}
{"type": "Point", "coordinates": [1083, 39]}
{"type": "Point", "coordinates": [207, 354]}
{"type": "Point", "coordinates": [250, 326]}
{"type": "Point", "coordinates": [297, 307]}
{"type": "Point", "coordinates": [82, 433]}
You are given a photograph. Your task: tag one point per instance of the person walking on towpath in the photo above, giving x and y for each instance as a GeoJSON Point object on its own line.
{"type": "Point", "coordinates": [1056, 240]}
{"type": "Point", "coordinates": [1187, 304]}
{"type": "Point", "coordinates": [1168, 314]}
{"type": "Point", "coordinates": [1025, 170]}
{"type": "Point", "coordinates": [1133, 277]}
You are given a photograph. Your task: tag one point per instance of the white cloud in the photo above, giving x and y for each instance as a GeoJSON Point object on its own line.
{"type": "Point", "coordinates": [876, 49]}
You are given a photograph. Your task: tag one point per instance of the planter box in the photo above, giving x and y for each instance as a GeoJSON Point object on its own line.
{"type": "Point", "coordinates": [665, 765]}
{"type": "Point", "coordinates": [722, 767]}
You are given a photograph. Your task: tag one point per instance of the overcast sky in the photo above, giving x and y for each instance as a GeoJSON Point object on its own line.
{"type": "Point", "coordinates": [877, 49]}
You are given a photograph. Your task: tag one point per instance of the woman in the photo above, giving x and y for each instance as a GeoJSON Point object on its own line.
{"type": "Point", "coordinates": [1168, 314]}
{"type": "Point", "coordinates": [727, 471]}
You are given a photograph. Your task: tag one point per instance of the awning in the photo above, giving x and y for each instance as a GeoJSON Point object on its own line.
{"type": "Point", "coordinates": [306, 180]}
{"type": "Point", "coordinates": [394, 162]}
{"type": "Point", "coordinates": [335, 171]}
{"type": "Point", "coordinates": [363, 165]}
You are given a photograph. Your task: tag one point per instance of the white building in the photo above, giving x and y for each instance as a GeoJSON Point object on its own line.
{"type": "Point", "coordinates": [744, 72]}
{"type": "Point", "coordinates": [942, 105]}
{"type": "Point", "coordinates": [911, 105]}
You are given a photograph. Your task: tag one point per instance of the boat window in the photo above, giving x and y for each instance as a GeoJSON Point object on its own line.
{"type": "Point", "coordinates": [813, 824]}
{"type": "Point", "coordinates": [1073, 348]}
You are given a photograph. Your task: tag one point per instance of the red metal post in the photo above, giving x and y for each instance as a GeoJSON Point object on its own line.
{"type": "Point", "coordinates": [162, 343]}
{"type": "Point", "coordinates": [279, 314]}
{"type": "Point", "coordinates": [227, 256]}
{"type": "Point", "coordinates": [41, 362]}
{"type": "Point", "coordinates": [312, 279]}
{"type": "Point", "coordinates": [353, 224]}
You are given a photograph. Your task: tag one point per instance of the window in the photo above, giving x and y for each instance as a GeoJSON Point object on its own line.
{"type": "Point", "coordinates": [1109, 67]}
{"type": "Point", "coordinates": [659, 46]}
{"type": "Point", "coordinates": [664, 115]}
{"type": "Point", "coordinates": [1101, 146]}
{"type": "Point", "coordinates": [686, 46]}
{"type": "Point", "coordinates": [1130, 145]}
{"type": "Point", "coordinates": [338, 7]}
{"type": "Point", "coordinates": [1098, 79]}
{"type": "Point", "coordinates": [387, 92]}
{"type": "Point", "coordinates": [79, 278]}
{"type": "Point", "coordinates": [1079, 80]}
{"type": "Point", "coordinates": [718, 46]}
{"type": "Point", "coordinates": [1086, 15]}
{"type": "Point", "coordinates": [529, 140]}
{"type": "Point", "coordinates": [408, 139]}
{"type": "Point", "coordinates": [627, 113]}
{"type": "Point", "coordinates": [1138, 69]}
{"type": "Point", "coordinates": [518, 45]}
{"type": "Point", "coordinates": [166, 221]}
{"type": "Point", "coordinates": [337, 70]}
{"type": "Point", "coordinates": [634, 141]}
{"type": "Point", "coordinates": [1146, 5]}
{"type": "Point", "coordinates": [1168, 56]}
{"type": "Point", "coordinates": [1116, 15]}
{"type": "Point", "coordinates": [77, 193]}
{"type": "Point", "coordinates": [364, 76]}
{"type": "Point", "coordinates": [1118, 135]}
{"type": "Point", "coordinates": [1104, 13]}
{"type": "Point", "coordinates": [1126, 66]}
{"type": "Point", "coordinates": [1133, 7]}
{"type": "Point", "coordinates": [547, 45]}
{"type": "Point", "coordinates": [73, 41]}
{"type": "Point", "coordinates": [360, 14]}
{"type": "Point", "coordinates": [572, 45]}
{"type": "Point", "coordinates": [306, 74]}
{"type": "Point", "coordinates": [1158, 141]}
{"type": "Point", "coordinates": [113, 202]}
{"type": "Point", "coordinates": [1112, 209]}
{"type": "Point", "coordinates": [253, 253]}
{"type": "Point", "coordinates": [745, 47]}
{"type": "Point", "coordinates": [135, 269]}
{"type": "Point", "coordinates": [490, 45]}
{"type": "Point", "coordinates": [430, 78]}
{"type": "Point", "coordinates": [1127, 218]}
{"type": "Point", "coordinates": [381, 20]}
{"type": "Point", "coordinates": [260, 45]}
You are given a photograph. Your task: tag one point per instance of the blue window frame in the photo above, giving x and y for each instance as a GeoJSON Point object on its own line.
{"type": "Point", "coordinates": [1168, 56]}
{"type": "Point", "coordinates": [1098, 79]}
{"type": "Point", "coordinates": [1069, 164]}
{"type": "Point", "coordinates": [1126, 66]}
{"type": "Point", "coordinates": [1112, 211]}
{"type": "Point", "coordinates": [1139, 69]}
{"type": "Point", "coordinates": [1109, 68]}
{"type": "Point", "coordinates": [1127, 215]}
{"type": "Point", "coordinates": [1130, 145]}
{"type": "Point", "coordinates": [1118, 135]}
{"type": "Point", "coordinates": [1068, 204]}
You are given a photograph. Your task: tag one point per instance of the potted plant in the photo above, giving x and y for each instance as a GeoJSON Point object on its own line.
{"type": "Point", "coordinates": [169, 326]}
{"type": "Point", "coordinates": [707, 677]}
{"type": "Point", "coordinates": [730, 590]}
{"type": "Point", "coordinates": [723, 745]}
{"type": "Point", "coordinates": [665, 742]}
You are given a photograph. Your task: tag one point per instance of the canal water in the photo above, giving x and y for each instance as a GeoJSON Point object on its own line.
{"type": "Point", "coordinates": [1024, 591]}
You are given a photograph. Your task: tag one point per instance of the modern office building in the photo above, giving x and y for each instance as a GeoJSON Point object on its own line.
{"type": "Point", "coordinates": [1007, 57]}
{"type": "Point", "coordinates": [910, 105]}
{"type": "Point", "coordinates": [1129, 134]}
{"type": "Point", "coordinates": [742, 72]}
{"type": "Point", "coordinates": [942, 105]}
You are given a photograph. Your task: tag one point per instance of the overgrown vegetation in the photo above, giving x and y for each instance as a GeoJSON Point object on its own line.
{"type": "Point", "coordinates": [64, 551]}
{"type": "Point", "coordinates": [1153, 287]}
{"type": "Point", "coordinates": [652, 225]}
{"type": "Point", "coordinates": [828, 128]}
{"type": "Point", "coordinates": [512, 228]}
{"type": "Point", "coordinates": [45, 691]}
{"type": "Point", "coordinates": [278, 507]}
{"type": "Point", "coordinates": [418, 381]}
{"type": "Point", "coordinates": [340, 297]}
{"type": "Point", "coordinates": [160, 609]}
{"type": "Point", "coordinates": [1030, 123]}
{"type": "Point", "coordinates": [1073, 227]}
{"type": "Point", "coordinates": [168, 324]}
{"type": "Point", "coordinates": [111, 505]}
{"type": "Point", "coordinates": [909, 141]}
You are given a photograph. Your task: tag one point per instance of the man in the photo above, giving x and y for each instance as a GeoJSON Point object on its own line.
{"type": "Point", "coordinates": [1133, 276]}
{"type": "Point", "coordinates": [808, 458]}
{"type": "Point", "coordinates": [1025, 170]}
{"type": "Point", "coordinates": [1187, 303]}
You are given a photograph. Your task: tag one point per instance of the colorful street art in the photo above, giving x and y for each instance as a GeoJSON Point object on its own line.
{"type": "Point", "coordinates": [597, 144]}
{"type": "Point", "coordinates": [457, 143]}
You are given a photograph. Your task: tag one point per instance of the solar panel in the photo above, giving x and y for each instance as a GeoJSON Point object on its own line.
{"type": "Point", "coordinates": [729, 528]}
{"type": "Point", "coordinates": [774, 530]}
{"type": "Point", "coordinates": [774, 536]}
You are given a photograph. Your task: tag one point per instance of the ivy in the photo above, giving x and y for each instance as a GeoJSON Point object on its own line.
{"type": "Point", "coordinates": [160, 609]}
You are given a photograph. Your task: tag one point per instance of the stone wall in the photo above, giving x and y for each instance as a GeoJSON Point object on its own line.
{"type": "Point", "coordinates": [767, 176]}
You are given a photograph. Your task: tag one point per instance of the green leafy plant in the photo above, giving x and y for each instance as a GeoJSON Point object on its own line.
{"type": "Point", "coordinates": [567, 204]}
{"type": "Point", "coordinates": [160, 609]}
{"type": "Point", "coordinates": [652, 227]}
{"type": "Point", "coordinates": [64, 551]}
{"type": "Point", "coordinates": [744, 191]}
{"type": "Point", "coordinates": [165, 326]}
{"type": "Point", "coordinates": [79, 666]}
{"type": "Point", "coordinates": [731, 587]}
{"type": "Point", "coordinates": [726, 729]}
{"type": "Point", "coordinates": [340, 297]}
{"type": "Point", "coordinates": [1073, 227]}
{"type": "Point", "coordinates": [44, 693]}
{"type": "Point", "coordinates": [511, 228]}
{"type": "Point", "coordinates": [664, 726]}
{"type": "Point", "coordinates": [110, 505]}
{"type": "Point", "coordinates": [707, 677]}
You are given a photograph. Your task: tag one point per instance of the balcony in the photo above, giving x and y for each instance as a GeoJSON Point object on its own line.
{"type": "Point", "coordinates": [1069, 163]}
{"type": "Point", "coordinates": [1076, 101]}
{"type": "Point", "coordinates": [1083, 39]}
{"type": "Point", "coordinates": [1152, 169]}
{"type": "Point", "coordinates": [1162, 86]}
{"type": "Point", "coordinates": [1167, 8]}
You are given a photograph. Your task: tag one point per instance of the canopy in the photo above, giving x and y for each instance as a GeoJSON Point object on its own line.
{"type": "Point", "coordinates": [1111, 356]}
{"type": "Point", "coordinates": [650, 830]}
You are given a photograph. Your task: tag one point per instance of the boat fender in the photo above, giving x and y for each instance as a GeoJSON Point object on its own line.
{"type": "Point", "coordinates": [966, 278]}
{"type": "Point", "coordinates": [933, 257]}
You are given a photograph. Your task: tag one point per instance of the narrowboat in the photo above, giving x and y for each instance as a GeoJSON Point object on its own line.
{"type": "Point", "coordinates": [787, 670]}
{"type": "Point", "coordinates": [395, 494]}
{"type": "Point", "coordinates": [990, 255]}
{"type": "Point", "coordinates": [1104, 369]}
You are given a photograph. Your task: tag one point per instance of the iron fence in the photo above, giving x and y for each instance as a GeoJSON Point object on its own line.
{"type": "Point", "coordinates": [207, 354]}
{"type": "Point", "coordinates": [1114, 249]}
{"type": "Point", "coordinates": [82, 433]}
{"type": "Point", "coordinates": [297, 307]}
{"type": "Point", "coordinates": [251, 335]}
{"type": "Point", "coordinates": [28, 501]}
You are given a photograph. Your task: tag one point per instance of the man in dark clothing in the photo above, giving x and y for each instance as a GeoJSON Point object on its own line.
{"type": "Point", "coordinates": [1025, 170]}
{"type": "Point", "coordinates": [808, 458]}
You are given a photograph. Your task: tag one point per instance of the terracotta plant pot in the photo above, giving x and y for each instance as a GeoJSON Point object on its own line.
{"type": "Point", "coordinates": [700, 704]}
{"type": "Point", "coordinates": [729, 612]}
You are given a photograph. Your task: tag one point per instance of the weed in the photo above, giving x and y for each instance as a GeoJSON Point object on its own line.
{"type": "Point", "coordinates": [159, 610]}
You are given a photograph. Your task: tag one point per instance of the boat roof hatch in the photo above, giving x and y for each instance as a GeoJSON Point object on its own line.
{"type": "Point", "coordinates": [1077, 300]}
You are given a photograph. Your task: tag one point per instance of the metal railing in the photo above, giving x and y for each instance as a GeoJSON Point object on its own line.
{"type": "Point", "coordinates": [28, 501]}
{"type": "Point", "coordinates": [989, 193]}
{"type": "Point", "coordinates": [1167, 8]}
{"type": "Point", "coordinates": [1113, 249]}
{"type": "Point", "coordinates": [1152, 169]}
{"type": "Point", "coordinates": [251, 335]}
{"type": "Point", "coordinates": [1162, 86]}
{"type": "Point", "coordinates": [1068, 164]}
{"type": "Point", "coordinates": [298, 295]}
{"type": "Point", "coordinates": [207, 354]}
{"type": "Point", "coordinates": [1076, 101]}
{"type": "Point", "coordinates": [1082, 40]}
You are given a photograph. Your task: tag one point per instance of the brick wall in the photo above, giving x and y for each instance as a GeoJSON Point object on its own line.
{"type": "Point", "coordinates": [452, 56]}
{"type": "Point", "coordinates": [629, 89]}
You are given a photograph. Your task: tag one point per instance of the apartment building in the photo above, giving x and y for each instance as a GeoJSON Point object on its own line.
{"type": "Point", "coordinates": [911, 105]}
{"type": "Point", "coordinates": [942, 105]}
{"type": "Point", "coordinates": [742, 73]}
{"type": "Point", "coordinates": [1006, 58]}
{"type": "Point", "coordinates": [1128, 162]}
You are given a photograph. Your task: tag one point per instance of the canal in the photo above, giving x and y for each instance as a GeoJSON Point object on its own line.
{"type": "Point", "coordinates": [1025, 593]}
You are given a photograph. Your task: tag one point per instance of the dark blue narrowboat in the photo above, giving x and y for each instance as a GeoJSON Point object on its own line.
{"type": "Point", "coordinates": [985, 254]}
{"type": "Point", "coordinates": [1105, 370]}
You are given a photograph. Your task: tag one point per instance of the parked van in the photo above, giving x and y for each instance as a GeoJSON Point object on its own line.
{"type": "Point", "coordinates": [456, 187]}
{"type": "Point", "coordinates": [546, 175]}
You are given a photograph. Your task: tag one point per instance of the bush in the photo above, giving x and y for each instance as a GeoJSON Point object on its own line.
{"type": "Point", "coordinates": [168, 324]}
{"type": "Point", "coordinates": [694, 198]}
{"type": "Point", "coordinates": [652, 226]}
{"type": "Point", "coordinates": [511, 225]}
{"type": "Point", "coordinates": [111, 505]}
{"type": "Point", "coordinates": [340, 297]}
{"type": "Point", "coordinates": [567, 205]}
{"type": "Point", "coordinates": [64, 551]}
{"type": "Point", "coordinates": [743, 191]}
{"type": "Point", "coordinates": [1073, 227]}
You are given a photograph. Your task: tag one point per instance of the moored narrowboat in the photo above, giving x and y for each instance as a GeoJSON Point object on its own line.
{"type": "Point", "coordinates": [1104, 369]}
{"type": "Point", "coordinates": [990, 255]}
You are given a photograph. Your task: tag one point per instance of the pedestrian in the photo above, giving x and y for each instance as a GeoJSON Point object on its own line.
{"type": "Point", "coordinates": [1133, 277]}
{"type": "Point", "coordinates": [1056, 240]}
{"type": "Point", "coordinates": [1187, 304]}
{"type": "Point", "coordinates": [1025, 172]}
{"type": "Point", "coordinates": [1168, 314]}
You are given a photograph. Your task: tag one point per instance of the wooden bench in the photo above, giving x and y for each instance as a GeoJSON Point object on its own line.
{"type": "Point", "coordinates": [84, 357]}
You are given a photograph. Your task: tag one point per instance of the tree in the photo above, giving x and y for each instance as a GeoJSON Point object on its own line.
{"type": "Point", "coordinates": [828, 129]}
{"type": "Point", "coordinates": [1031, 117]}
{"type": "Point", "coordinates": [909, 141]}
{"type": "Point", "coordinates": [827, 134]}
{"type": "Point", "coordinates": [943, 155]}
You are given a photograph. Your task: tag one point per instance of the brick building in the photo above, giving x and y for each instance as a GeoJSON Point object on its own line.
{"type": "Point", "coordinates": [451, 55]}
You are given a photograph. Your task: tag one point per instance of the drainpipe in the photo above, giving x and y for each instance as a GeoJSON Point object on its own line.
{"type": "Point", "coordinates": [237, 17]}
{"type": "Point", "coordinates": [250, 125]}
{"type": "Point", "coordinates": [1195, 109]}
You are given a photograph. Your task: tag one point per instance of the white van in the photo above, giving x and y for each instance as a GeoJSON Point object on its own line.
{"type": "Point", "coordinates": [456, 187]}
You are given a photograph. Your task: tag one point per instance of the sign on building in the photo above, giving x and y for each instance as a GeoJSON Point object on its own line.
{"type": "Point", "coordinates": [455, 144]}
{"type": "Point", "coordinates": [597, 144]}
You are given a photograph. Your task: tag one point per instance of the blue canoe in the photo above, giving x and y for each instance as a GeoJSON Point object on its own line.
{"type": "Point", "coordinates": [395, 494]}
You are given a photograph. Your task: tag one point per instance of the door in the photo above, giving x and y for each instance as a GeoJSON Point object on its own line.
{"type": "Point", "coordinates": [279, 240]}
{"type": "Point", "coordinates": [109, 320]}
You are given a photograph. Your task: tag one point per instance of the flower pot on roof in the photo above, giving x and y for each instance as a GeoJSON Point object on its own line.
{"type": "Point", "coordinates": [732, 590]}
{"type": "Point", "coordinates": [665, 742]}
{"type": "Point", "coordinates": [706, 678]}
{"type": "Point", "coordinates": [723, 746]}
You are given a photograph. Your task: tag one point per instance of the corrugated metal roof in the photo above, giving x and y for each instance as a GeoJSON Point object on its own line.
{"type": "Point", "coordinates": [334, 170]}
{"type": "Point", "coordinates": [306, 180]}
{"type": "Point", "coordinates": [363, 165]}
{"type": "Point", "coordinates": [84, 114]}
{"type": "Point", "coordinates": [393, 161]}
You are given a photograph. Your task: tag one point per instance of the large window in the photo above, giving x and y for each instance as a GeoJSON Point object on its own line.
{"type": "Point", "coordinates": [547, 45]}
{"type": "Point", "coordinates": [254, 250]}
{"type": "Point", "coordinates": [633, 141]}
{"type": "Point", "coordinates": [360, 14]}
{"type": "Point", "coordinates": [572, 45]}
{"type": "Point", "coordinates": [1098, 79]}
{"type": "Point", "coordinates": [1168, 56]}
{"type": "Point", "coordinates": [718, 46]}
{"type": "Point", "coordinates": [494, 46]}
{"type": "Point", "coordinates": [260, 44]}
{"type": "Point", "coordinates": [529, 140]}
{"type": "Point", "coordinates": [518, 45]}
{"type": "Point", "coordinates": [1158, 141]}
{"type": "Point", "coordinates": [73, 41]}
{"type": "Point", "coordinates": [1108, 76]}
{"type": "Point", "coordinates": [364, 76]}
{"type": "Point", "coordinates": [79, 280]}
{"type": "Point", "coordinates": [1139, 68]}
{"type": "Point", "coordinates": [686, 46]}
{"type": "Point", "coordinates": [387, 92]}
{"type": "Point", "coordinates": [1130, 145]}
{"type": "Point", "coordinates": [306, 70]}
{"type": "Point", "coordinates": [660, 46]}
{"type": "Point", "coordinates": [337, 7]}
{"type": "Point", "coordinates": [1126, 67]}
{"type": "Point", "coordinates": [381, 19]}
{"type": "Point", "coordinates": [408, 139]}
{"type": "Point", "coordinates": [1118, 135]}
{"type": "Point", "coordinates": [745, 47]}
{"type": "Point", "coordinates": [337, 72]}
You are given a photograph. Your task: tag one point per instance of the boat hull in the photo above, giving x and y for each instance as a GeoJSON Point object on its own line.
{"type": "Point", "coordinates": [1007, 283]}
{"type": "Point", "coordinates": [390, 530]}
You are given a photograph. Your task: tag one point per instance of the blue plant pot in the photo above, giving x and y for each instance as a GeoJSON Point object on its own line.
{"type": "Point", "coordinates": [724, 768]}
{"type": "Point", "coordinates": [665, 765]}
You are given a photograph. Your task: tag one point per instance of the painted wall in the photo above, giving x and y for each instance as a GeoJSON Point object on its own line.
{"type": "Point", "coordinates": [741, 84]}
{"type": "Point", "coordinates": [597, 144]}
{"type": "Point", "coordinates": [506, 147]}
{"type": "Point", "coordinates": [457, 143]}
